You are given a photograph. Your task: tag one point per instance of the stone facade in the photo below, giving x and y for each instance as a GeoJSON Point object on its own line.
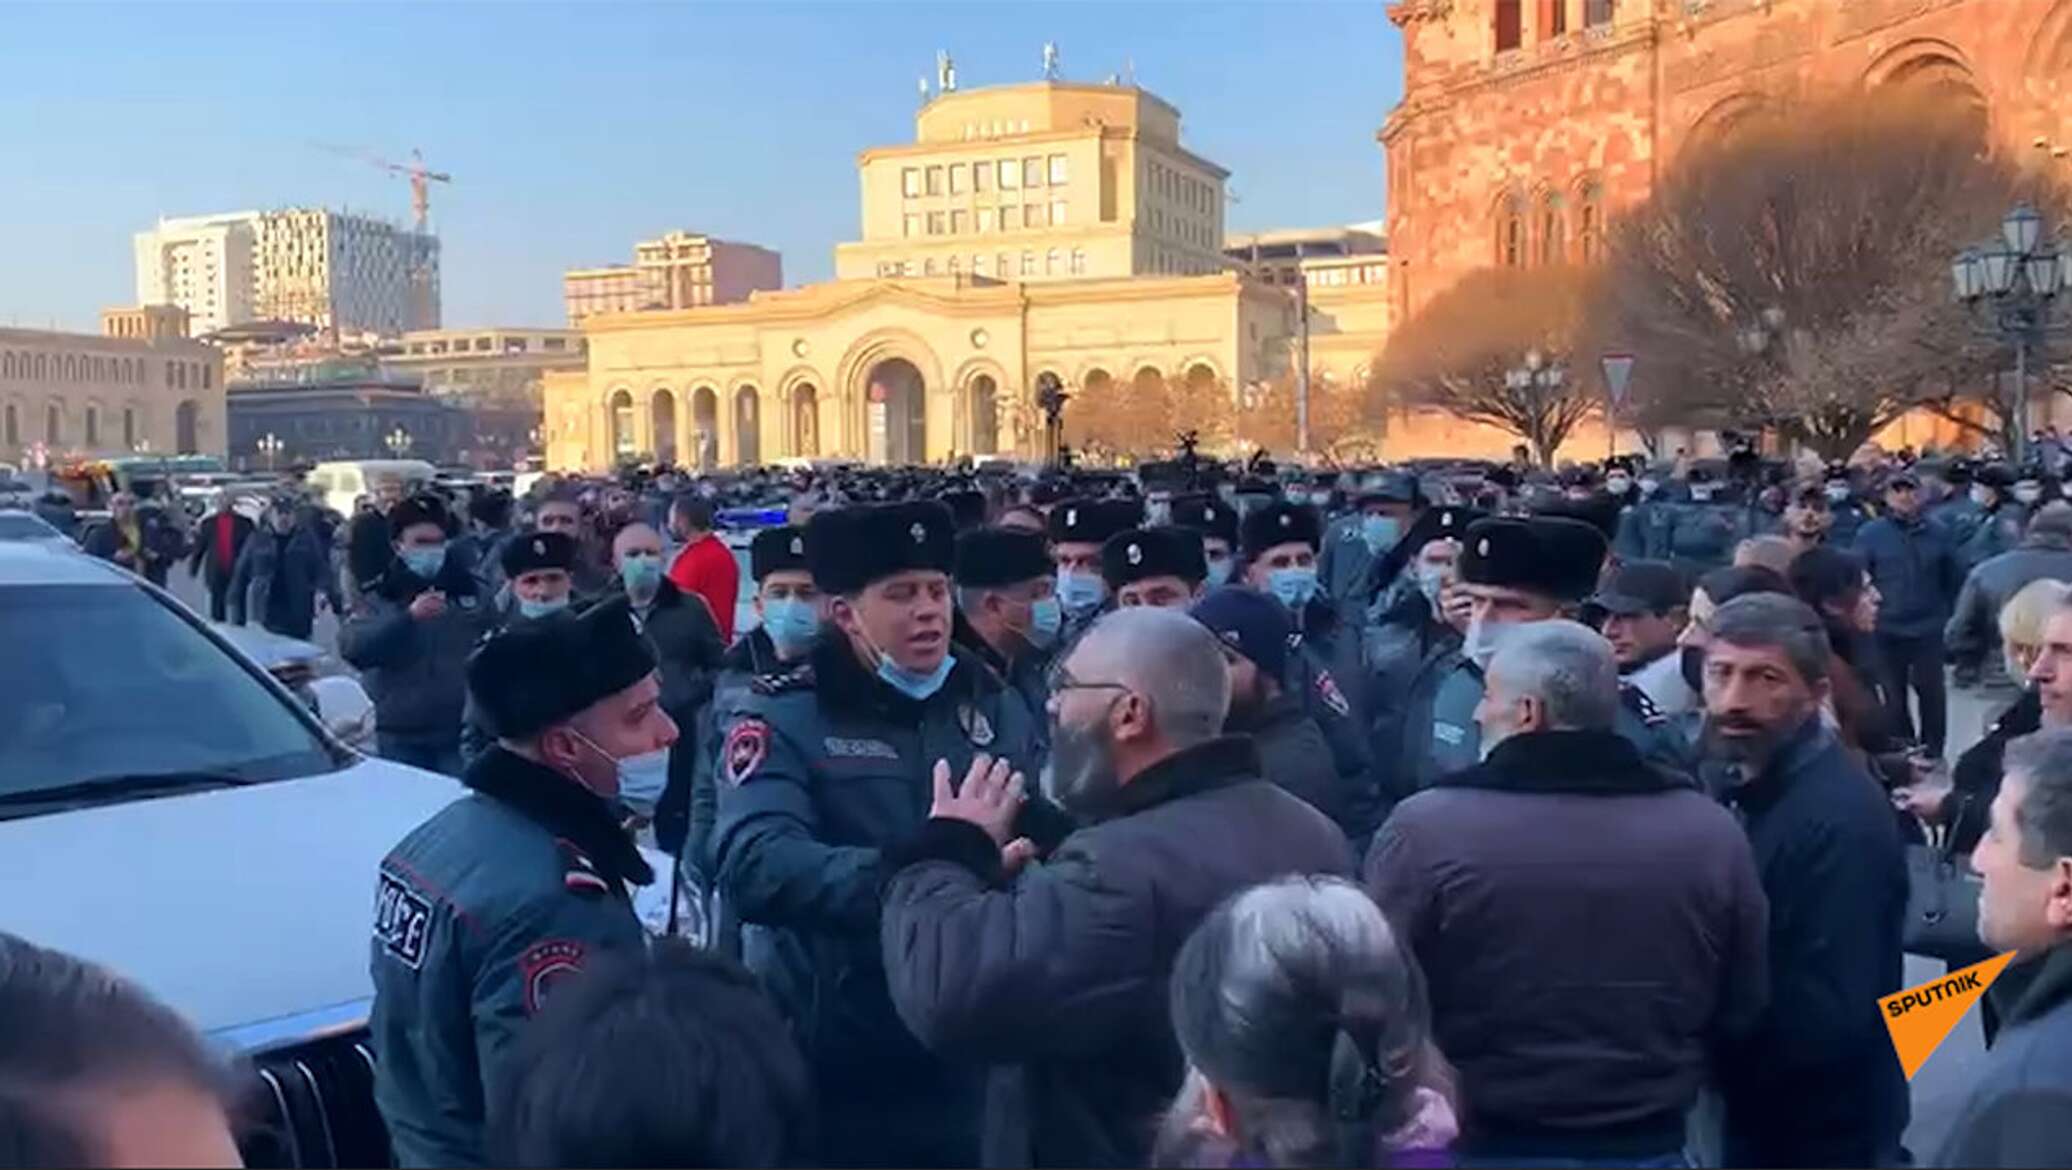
{"type": "Point", "coordinates": [66, 395]}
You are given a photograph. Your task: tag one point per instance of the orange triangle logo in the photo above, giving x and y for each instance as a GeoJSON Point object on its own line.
{"type": "Point", "coordinates": [1920, 1017]}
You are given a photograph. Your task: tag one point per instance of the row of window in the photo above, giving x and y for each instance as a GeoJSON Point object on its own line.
{"type": "Point", "coordinates": [1553, 19]}
{"type": "Point", "coordinates": [1053, 262]}
{"type": "Point", "coordinates": [16, 366]}
{"type": "Point", "coordinates": [487, 345]}
{"type": "Point", "coordinates": [1185, 190]}
{"type": "Point", "coordinates": [1166, 263]}
{"type": "Point", "coordinates": [1006, 218]}
{"type": "Point", "coordinates": [1185, 229]}
{"type": "Point", "coordinates": [54, 426]}
{"type": "Point", "coordinates": [1360, 274]}
{"type": "Point", "coordinates": [1550, 231]}
{"type": "Point", "coordinates": [1007, 174]}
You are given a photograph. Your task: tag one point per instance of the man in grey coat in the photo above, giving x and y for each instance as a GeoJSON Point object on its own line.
{"type": "Point", "coordinates": [1973, 632]}
{"type": "Point", "coordinates": [2020, 1099]}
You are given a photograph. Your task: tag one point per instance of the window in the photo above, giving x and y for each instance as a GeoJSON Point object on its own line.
{"type": "Point", "coordinates": [910, 224]}
{"type": "Point", "coordinates": [956, 265]}
{"type": "Point", "coordinates": [1032, 215]}
{"type": "Point", "coordinates": [1057, 212]}
{"type": "Point", "coordinates": [935, 223]}
{"type": "Point", "coordinates": [1510, 25]}
{"type": "Point", "coordinates": [53, 425]}
{"type": "Point", "coordinates": [93, 426]}
{"type": "Point", "coordinates": [1557, 19]}
{"type": "Point", "coordinates": [13, 431]}
{"type": "Point", "coordinates": [1032, 172]}
{"type": "Point", "coordinates": [928, 267]}
{"type": "Point", "coordinates": [1590, 221]}
{"type": "Point", "coordinates": [935, 180]}
{"type": "Point", "coordinates": [1510, 233]}
{"type": "Point", "coordinates": [1050, 262]}
{"type": "Point", "coordinates": [978, 265]}
{"type": "Point", "coordinates": [206, 377]}
{"type": "Point", "coordinates": [982, 219]}
{"type": "Point", "coordinates": [1007, 218]}
{"type": "Point", "coordinates": [555, 344]}
{"type": "Point", "coordinates": [1058, 170]}
{"type": "Point", "coordinates": [1597, 12]}
{"type": "Point", "coordinates": [956, 178]}
{"type": "Point", "coordinates": [1079, 261]}
{"type": "Point", "coordinates": [1553, 231]}
{"type": "Point", "coordinates": [1010, 175]}
{"type": "Point", "coordinates": [981, 176]}
{"type": "Point", "coordinates": [959, 222]}
{"type": "Point", "coordinates": [1028, 264]}
{"type": "Point", "coordinates": [129, 429]}
{"type": "Point", "coordinates": [910, 182]}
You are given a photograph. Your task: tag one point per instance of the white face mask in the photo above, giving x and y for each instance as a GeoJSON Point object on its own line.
{"type": "Point", "coordinates": [1431, 581]}
{"type": "Point", "coordinates": [1479, 646]}
{"type": "Point", "coordinates": [2028, 495]}
{"type": "Point", "coordinates": [1981, 495]}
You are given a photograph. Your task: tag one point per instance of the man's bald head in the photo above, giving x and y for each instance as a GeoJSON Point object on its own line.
{"type": "Point", "coordinates": [1167, 657]}
{"type": "Point", "coordinates": [637, 537]}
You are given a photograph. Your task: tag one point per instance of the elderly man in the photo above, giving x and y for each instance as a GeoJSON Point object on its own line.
{"type": "Point", "coordinates": [2019, 1099]}
{"type": "Point", "coordinates": [503, 894]}
{"type": "Point", "coordinates": [1564, 822]}
{"type": "Point", "coordinates": [1816, 1083]}
{"type": "Point", "coordinates": [1154, 566]}
{"type": "Point", "coordinates": [1973, 632]}
{"type": "Point", "coordinates": [1056, 975]}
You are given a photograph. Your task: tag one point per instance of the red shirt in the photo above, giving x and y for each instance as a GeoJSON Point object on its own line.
{"type": "Point", "coordinates": [706, 568]}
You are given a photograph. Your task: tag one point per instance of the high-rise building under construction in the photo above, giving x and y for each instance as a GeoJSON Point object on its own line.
{"type": "Point", "coordinates": [335, 270]}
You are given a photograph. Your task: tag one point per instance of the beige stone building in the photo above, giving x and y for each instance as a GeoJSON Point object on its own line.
{"type": "Point", "coordinates": [139, 386]}
{"type": "Point", "coordinates": [945, 318]}
{"type": "Point", "coordinates": [680, 270]}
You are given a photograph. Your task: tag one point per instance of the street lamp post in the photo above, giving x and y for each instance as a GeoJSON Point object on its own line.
{"type": "Point", "coordinates": [270, 446]}
{"type": "Point", "coordinates": [2014, 283]}
{"type": "Point", "coordinates": [1539, 374]}
{"type": "Point", "coordinates": [398, 442]}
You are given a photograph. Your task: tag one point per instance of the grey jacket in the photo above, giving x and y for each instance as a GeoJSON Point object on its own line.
{"type": "Point", "coordinates": [275, 582]}
{"type": "Point", "coordinates": [415, 671]}
{"type": "Point", "coordinates": [1973, 632]}
{"type": "Point", "coordinates": [2019, 1104]}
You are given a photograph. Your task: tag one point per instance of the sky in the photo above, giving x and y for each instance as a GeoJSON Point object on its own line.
{"type": "Point", "coordinates": [574, 129]}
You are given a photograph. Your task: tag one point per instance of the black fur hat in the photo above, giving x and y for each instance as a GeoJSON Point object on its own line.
{"type": "Point", "coordinates": [1546, 554]}
{"type": "Point", "coordinates": [848, 548]}
{"type": "Point", "coordinates": [776, 550]}
{"type": "Point", "coordinates": [988, 558]}
{"type": "Point", "coordinates": [1282, 523]}
{"type": "Point", "coordinates": [1139, 553]}
{"type": "Point", "coordinates": [538, 673]}
{"type": "Point", "coordinates": [1091, 521]}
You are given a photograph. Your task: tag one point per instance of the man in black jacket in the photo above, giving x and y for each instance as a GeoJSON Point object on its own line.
{"type": "Point", "coordinates": [1254, 630]}
{"type": "Point", "coordinates": [681, 632]}
{"type": "Point", "coordinates": [1587, 1044]}
{"type": "Point", "coordinates": [1007, 608]}
{"type": "Point", "coordinates": [1056, 976]}
{"type": "Point", "coordinates": [218, 539]}
{"type": "Point", "coordinates": [1817, 1082]}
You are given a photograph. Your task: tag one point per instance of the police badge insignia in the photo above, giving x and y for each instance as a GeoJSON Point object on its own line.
{"type": "Point", "coordinates": [1136, 554]}
{"type": "Point", "coordinates": [545, 965]}
{"type": "Point", "coordinates": [977, 728]}
{"type": "Point", "coordinates": [1327, 690]}
{"type": "Point", "coordinates": [798, 546]}
{"type": "Point", "coordinates": [748, 745]}
{"type": "Point", "coordinates": [919, 532]}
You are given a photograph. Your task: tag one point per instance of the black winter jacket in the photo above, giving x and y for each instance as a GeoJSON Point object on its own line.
{"type": "Point", "coordinates": [1058, 978]}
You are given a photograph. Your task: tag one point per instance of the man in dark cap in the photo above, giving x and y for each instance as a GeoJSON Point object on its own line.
{"type": "Point", "coordinates": [1007, 608]}
{"type": "Point", "coordinates": [410, 637]}
{"type": "Point", "coordinates": [1384, 510]}
{"type": "Point", "coordinates": [1254, 631]}
{"type": "Point", "coordinates": [1207, 514]}
{"type": "Point", "coordinates": [1917, 576]}
{"type": "Point", "coordinates": [485, 908]}
{"type": "Point", "coordinates": [1078, 528]}
{"type": "Point", "coordinates": [1516, 571]}
{"type": "Point", "coordinates": [823, 768]}
{"type": "Point", "coordinates": [1646, 605]}
{"type": "Point", "coordinates": [1154, 566]}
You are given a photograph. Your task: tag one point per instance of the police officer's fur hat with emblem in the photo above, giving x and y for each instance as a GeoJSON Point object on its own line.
{"type": "Point", "coordinates": [849, 548]}
{"type": "Point", "coordinates": [538, 673]}
{"type": "Point", "coordinates": [1282, 523]}
{"type": "Point", "coordinates": [1206, 513]}
{"type": "Point", "coordinates": [777, 550]}
{"type": "Point", "coordinates": [1090, 521]}
{"type": "Point", "coordinates": [1446, 522]}
{"type": "Point", "coordinates": [419, 509]}
{"type": "Point", "coordinates": [530, 551]}
{"type": "Point", "coordinates": [1544, 554]}
{"type": "Point", "coordinates": [989, 558]}
{"type": "Point", "coordinates": [1138, 554]}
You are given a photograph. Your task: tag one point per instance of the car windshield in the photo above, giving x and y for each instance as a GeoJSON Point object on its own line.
{"type": "Point", "coordinates": [23, 526]}
{"type": "Point", "coordinates": [107, 687]}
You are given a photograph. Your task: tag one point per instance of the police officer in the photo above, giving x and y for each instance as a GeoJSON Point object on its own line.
{"type": "Point", "coordinates": [1521, 570]}
{"type": "Point", "coordinates": [1383, 510]}
{"type": "Point", "coordinates": [825, 767]}
{"type": "Point", "coordinates": [1207, 514]}
{"type": "Point", "coordinates": [1699, 534]}
{"type": "Point", "coordinates": [538, 569]}
{"type": "Point", "coordinates": [410, 636]}
{"type": "Point", "coordinates": [485, 907]}
{"type": "Point", "coordinates": [1008, 614]}
{"type": "Point", "coordinates": [1847, 510]}
{"type": "Point", "coordinates": [1078, 527]}
{"type": "Point", "coordinates": [1154, 566]}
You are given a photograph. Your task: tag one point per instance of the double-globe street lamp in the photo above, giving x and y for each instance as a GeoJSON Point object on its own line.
{"type": "Point", "coordinates": [398, 442]}
{"type": "Point", "coordinates": [270, 445]}
{"type": "Point", "coordinates": [2015, 282]}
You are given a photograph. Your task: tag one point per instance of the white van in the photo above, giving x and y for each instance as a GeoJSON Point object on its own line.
{"type": "Point", "coordinates": [340, 485]}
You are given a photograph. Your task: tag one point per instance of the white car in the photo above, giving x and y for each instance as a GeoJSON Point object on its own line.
{"type": "Point", "coordinates": [29, 528]}
{"type": "Point", "coordinates": [169, 809]}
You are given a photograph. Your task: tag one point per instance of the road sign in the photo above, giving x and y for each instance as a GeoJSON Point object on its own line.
{"type": "Point", "coordinates": [1618, 370]}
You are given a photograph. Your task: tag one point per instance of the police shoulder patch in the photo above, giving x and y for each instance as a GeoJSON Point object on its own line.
{"type": "Point", "coordinates": [1642, 706]}
{"type": "Point", "coordinates": [545, 964]}
{"type": "Point", "coordinates": [747, 746]}
{"type": "Point", "coordinates": [1327, 690]}
{"type": "Point", "coordinates": [777, 682]}
{"type": "Point", "coordinates": [402, 919]}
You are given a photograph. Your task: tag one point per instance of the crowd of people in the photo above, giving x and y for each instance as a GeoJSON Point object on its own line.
{"type": "Point", "coordinates": [1195, 816]}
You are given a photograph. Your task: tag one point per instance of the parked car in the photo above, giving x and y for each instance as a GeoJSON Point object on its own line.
{"type": "Point", "coordinates": [29, 528]}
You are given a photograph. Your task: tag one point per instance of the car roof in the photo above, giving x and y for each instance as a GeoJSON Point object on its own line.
{"type": "Point", "coordinates": [26, 563]}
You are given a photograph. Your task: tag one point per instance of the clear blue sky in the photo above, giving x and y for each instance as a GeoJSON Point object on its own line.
{"type": "Point", "coordinates": [574, 129]}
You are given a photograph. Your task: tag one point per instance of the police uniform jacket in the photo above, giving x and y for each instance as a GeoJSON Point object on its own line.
{"type": "Point", "coordinates": [478, 913]}
{"type": "Point", "coordinates": [416, 671]}
{"type": "Point", "coordinates": [753, 655]}
{"type": "Point", "coordinates": [824, 767]}
{"type": "Point", "coordinates": [1457, 738]}
{"type": "Point", "coordinates": [680, 629]}
{"type": "Point", "coordinates": [1059, 977]}
{"type": "Point", "coordinates": [1698, 537]}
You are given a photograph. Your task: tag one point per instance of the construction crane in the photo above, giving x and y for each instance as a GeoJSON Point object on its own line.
{"type": "Point", "coordinates": [421, 178]}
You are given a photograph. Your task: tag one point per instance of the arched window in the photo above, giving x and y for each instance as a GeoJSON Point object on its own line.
{"type": "Point", "coordinates": [129, 428]}
{"type": "Point", "coordinates": [1553, 230]}
{"type": "Point", "coordinates": [207, 376]}
{"type": "Point", "coordinates": [13, 431]}
{"type": "Point", "coordinates": [1510, 232]}
{"type": "Point", "coordinates": [7, 365]}
{"type": "Point", "coordinates": [1597, 13]}
{"type": "Point", "coordinates": [1590, 221]}
{"type": "Point", "coordinates": [42, 368]}
{"type": "Point", "coordinates": [93, 425]}
{"type": "Point", "coordinates": [1510, 24]}
{"type": "Point", "coordinates": [53, 425]}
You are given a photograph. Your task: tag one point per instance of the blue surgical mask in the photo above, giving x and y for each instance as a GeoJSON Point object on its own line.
{"type": "Point", "coordinates": [540, 609]}
{"type": "Point", "coordinates": [1080, 593]}
{"type": "Point", "coordinates": [424, 561]}
{"type": "Point", "coordinates": [641, 573]}
{"type": "Point", "coordinates": [1380, 532]}
{"type": "Point", "coordinates": [1293, 586]}
{"type": "Point", "coordinates": [1219, 571]}
{"type": "Point", "coordinates": [1431, 580]}
{"type": "Point", "coordinates": [641, 778]}
{"type": "Point", "coordinates": [1046, 618]}
{"type": "Point", "coordinates": [791, 623]}
{"type": "Point", "coordinates": [916, 685]}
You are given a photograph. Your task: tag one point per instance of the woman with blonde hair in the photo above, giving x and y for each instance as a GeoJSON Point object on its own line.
{"type": "Point", "coordinates": [1307, 1037]}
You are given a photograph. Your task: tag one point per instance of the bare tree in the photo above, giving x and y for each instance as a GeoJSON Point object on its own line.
{"type": "Point", "coordinates": [1794, 277]}
{"type": "Point", "coordinates": [1459, 354]}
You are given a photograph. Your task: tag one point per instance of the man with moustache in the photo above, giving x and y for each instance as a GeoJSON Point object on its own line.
{"type": "Point", "coordinates": [1056, 976]}
{"type": "Point", "coordinates": [1816, 1082]}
